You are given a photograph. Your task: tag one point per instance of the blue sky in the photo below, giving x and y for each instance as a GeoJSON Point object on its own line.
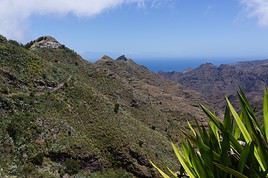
{"type": "Point", "coordinates": [154, 28]}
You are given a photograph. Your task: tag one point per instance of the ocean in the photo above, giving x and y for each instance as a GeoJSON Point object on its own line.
{"type": "Point", "coordinates": [179, 65]}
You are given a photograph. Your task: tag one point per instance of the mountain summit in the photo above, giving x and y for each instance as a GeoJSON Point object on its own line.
{"type": "Point", "coordinates": [44, 42]}
{"type": "Point", "coordinates": [122, 58]}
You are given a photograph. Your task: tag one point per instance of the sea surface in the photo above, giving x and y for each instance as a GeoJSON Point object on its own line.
{"type": "Point", "coordinates": [179, 65]}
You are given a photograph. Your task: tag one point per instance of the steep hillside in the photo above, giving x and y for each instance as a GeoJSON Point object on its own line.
{"type": "Point", "coordinates": [62, 115]}
{"type": "Point", "coordinates": [216, 82]}
{"type": "Point", "coordinates": [161, 104]}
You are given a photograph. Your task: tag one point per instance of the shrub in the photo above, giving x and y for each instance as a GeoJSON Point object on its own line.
{"type": "Point", "coordinates": [13, 131]}
{"type": "Point", "coordinates": [72, 166]}
{"type": "Point", "coordinates": [234, 147]}
{"type": "Point", "coordinates": [2, 39]}
{"type": "Point", "coordinates": [5, 90]}
{"type": "Point", "coordinates": [15, 43]}
{"type": "Point", "coordinates": [116, 108]}
{"type": "Point", "coordinates": [38, 159]}
{"type": "Point", "coordinates": [28, 45]}
{"type": "Point", "coordinates": [111, 173]}
{"type": "Point", "coordinates": [28, 170]}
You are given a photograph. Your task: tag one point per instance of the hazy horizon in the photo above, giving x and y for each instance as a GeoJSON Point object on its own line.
{"type": "Point", "coordinates": [170, 64]}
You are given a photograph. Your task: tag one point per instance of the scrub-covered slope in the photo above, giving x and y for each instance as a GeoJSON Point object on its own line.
{"type": "Point", "coordinates": [215, 82]}
{"type": "Point", "coordinates": [61, 115]}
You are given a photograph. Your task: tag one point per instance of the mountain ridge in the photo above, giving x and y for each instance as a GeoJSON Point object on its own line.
{"type": "Point", "coordinates": [62, 115]}
{"type": "Point", "coordinates": [216, 82]}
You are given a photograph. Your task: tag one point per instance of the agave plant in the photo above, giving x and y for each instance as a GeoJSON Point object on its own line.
{"type": "Point", "coordinates": [234, 147]}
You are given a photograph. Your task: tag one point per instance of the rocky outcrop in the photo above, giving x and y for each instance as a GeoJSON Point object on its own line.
{"type": "Point", "coordinates": [106, 58]}
{"type": "Point", "coordinates": [44, 42]}
{"type": "Point", "coordinates": [122, 58]}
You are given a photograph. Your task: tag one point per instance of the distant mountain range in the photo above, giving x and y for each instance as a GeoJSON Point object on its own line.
{"type": "Point", "coordinates": [62, 115]}
{"type": "Point", "coordinates": [216, 82]}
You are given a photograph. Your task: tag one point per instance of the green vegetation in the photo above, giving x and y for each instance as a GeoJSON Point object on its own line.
{"type": "Point", "coordinates": [55, 106]}
{"type": "Point", "coordinates": [38, 159]}
{"type": "Point", "coordinates": [72, 166]}
{"type": "Point", "coordinates": [116, 108]}
{"type": "Point", "coordinates": [234, 147]}
{"type": "Point", "coordinates": [29, 44]}
{"type": "Point", "coordinates": [111, 174]}
{"type": "Point", "coordinates": [3, 39]}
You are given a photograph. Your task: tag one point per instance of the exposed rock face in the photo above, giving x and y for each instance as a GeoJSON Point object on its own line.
{"type": "Point", "coordinates": [106, 58]}
{"type": "Point", "coordinates": [45, 42]}
{"type": "Point", "coordinates": [122, 58]}
{"type": "Point", "coordinates": [216, 82]}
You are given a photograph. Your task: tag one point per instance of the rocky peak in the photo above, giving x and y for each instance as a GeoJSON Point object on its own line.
{"type": "Point", "coordinates": [122, 58]}
{"type": "Point", "coordinates": [207, 65]}
{"type": "Point", "coordinates": [106, 58]}
{"type": "Point", "coordinates": [44, 42]}
{"type": "Point", "coordinates": [187, 70]}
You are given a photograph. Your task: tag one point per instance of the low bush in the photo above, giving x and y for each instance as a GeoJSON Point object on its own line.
{"type": "Point", "coordinates": [38, 159]}
{"type": "Point", "coordinates": [72, 166]}
{"type": "Point", "coordinates": [116, 108]}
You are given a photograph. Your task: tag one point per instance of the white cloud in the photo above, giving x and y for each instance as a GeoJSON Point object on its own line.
{"type": "Point", "coordinates": [14, 14]}
{"type": "Point", "coordinates": [258, 9]}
